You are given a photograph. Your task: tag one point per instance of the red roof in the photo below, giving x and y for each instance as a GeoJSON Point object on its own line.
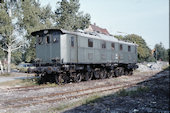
{"type": "Point", "coordinates": [100, 30]}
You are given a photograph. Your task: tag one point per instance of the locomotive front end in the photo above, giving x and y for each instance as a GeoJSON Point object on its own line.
{"type": "Point", "coordinates": [47, 50]}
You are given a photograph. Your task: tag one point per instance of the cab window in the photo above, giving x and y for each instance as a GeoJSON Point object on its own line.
{"type": "Point", "coordinates": [113, 45]}
{"type": "Point", "coordinates": [55, 37]}
{"type": "Point", "coordinates": [48, 39]}
{"type": "Point", "coordinates": [90, 43]}
{"type": "Point", "coordinates": [121, 47]}
{"type": "Point", "coordinates": [129, 48]}
{"type": "Point", "coordinates": [39, 39]}
{"type": "Point", "coordinates": [72, 41]}
{"type": "Point", "coordinates": [103, 44]}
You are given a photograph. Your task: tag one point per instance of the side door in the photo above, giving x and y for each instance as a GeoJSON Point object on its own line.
{"type": "Point", "coordinates": [73, 49]}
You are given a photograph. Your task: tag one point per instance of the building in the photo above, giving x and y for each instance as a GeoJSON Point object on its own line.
{"type": "Point", "coordinates": [95, 28]}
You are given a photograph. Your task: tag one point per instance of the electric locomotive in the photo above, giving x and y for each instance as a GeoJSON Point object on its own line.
{"type": "Point", "coordinates": [64, 56]}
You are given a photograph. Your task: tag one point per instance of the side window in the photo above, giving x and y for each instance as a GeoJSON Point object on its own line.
{"type": "Point", "coordinates": [48, 39]}
{"type": "Point", "coordinates": [72, 41]}
{"type": "Point", "coordinates": [121, 47]}
{"type": "Point", "coordinates": [39, 40]}
{"type": "Point", "coordinates": [55, 37]}
{"type": "Point", "coordinates": [129, 48]}
{"type": "Point", "coordinates": [113, 45]}
{"type": "Point", "coordinates": [103, 44]}
{"type": "Point", "coordinates": [90, 43]}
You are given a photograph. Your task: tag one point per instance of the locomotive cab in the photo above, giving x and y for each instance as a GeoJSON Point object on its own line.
{"type": "Point", "coordinates": [47, 46]}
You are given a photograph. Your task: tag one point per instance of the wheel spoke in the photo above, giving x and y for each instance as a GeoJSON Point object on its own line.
{"type": "Point", "coordinates": [78, 77]}
{"type": "Point", "coordinates": [88, 76]}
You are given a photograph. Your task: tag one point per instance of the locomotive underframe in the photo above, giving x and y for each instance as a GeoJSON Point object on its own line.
{"type": "Point", "coordinates": [64, 73]}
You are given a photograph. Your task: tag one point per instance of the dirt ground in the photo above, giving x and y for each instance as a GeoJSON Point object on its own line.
{"type": "Point", "coordinates": [148, 95]}
{"type": "Point", "coordinates": [154, 99]}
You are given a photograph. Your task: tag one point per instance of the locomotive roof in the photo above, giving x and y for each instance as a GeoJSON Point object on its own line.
{"type": "Point", "coordinates": [93, 35]}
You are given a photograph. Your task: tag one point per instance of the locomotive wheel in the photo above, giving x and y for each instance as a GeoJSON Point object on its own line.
{"type": "Point", "coordinates": [126, 72]}
{"type": "Point", "coordinates": [88, 76]}
{"type": "Point", "coordinates": [116, 73]}
{"type": "Point", "coordinates": [61, 78]}
{"type": "Point", "coordinates": [123, 71]}
{"type": "Point", "coordinates": [43, 78]}
{"type": "Point", "coordinates": [97, 74]}
{"type": "Point", "coordinates": [110, 74]}
{"type": "Point", "coordinates": [130, 72]}
{"type": "Point", "coordinates": [103, 74]}
{"type": "Point", "coordinates": [78, 77]}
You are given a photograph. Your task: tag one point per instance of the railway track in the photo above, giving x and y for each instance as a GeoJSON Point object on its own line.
{"type": "Point", "coordinates": [56, 97]}
{"type": "Point", "coordinates": [35, 87]}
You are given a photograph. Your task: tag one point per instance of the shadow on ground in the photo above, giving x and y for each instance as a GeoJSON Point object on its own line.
{"type": "Point", "coordinates": [151, 95]}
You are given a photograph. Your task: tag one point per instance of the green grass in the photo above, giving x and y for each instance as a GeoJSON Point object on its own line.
{"type": "Point", "coordinates": [166, 67]}
{"type": "Point", "coordinates": [134, 92]}
{"type": "Point", "coordinates": [63, 107]}
{"type": "Point", "coordinates": [5, 74]}
{"type": "Point", "coordinates": [27, 82]}
{"type": "Point", "coordinates": [96, 98]}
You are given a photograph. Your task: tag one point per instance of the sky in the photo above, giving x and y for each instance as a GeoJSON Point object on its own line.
{"type": "Point", "coordinates": [146, 18]}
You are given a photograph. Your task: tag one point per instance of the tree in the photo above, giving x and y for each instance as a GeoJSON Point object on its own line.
{"type": "Point", "coordinates": [34, 18]}
{"type": "Point", "coordinates": [161, 53]}
{"type": "Point", "coordinates": [68, 16]}
{"type": "Point", "coordinates": [119, 37]}
{"type": "Point", "coordinates": [9, 41]}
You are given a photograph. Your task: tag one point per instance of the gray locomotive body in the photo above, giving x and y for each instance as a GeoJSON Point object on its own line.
{"type": "Point", "coordinates": [63, 56]}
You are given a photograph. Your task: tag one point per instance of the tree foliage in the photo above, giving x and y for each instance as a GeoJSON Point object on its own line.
{"type": "Point", "coordinates": [31, 17]}
{"type": "Point", "coordinates": [6, 27]}
{"type": "Point", "coordinates": [68, 16]}
{"type": "Point", "coordinates": [34, 18]}
{"type": "Point", "coordinates": [16, 57]}
{"type": "Point", "coordinates": [2, 54]}
{"type": "Point", "coordinates": [161, 53]}
{"type": "Point", "coordinates": [9, 41]}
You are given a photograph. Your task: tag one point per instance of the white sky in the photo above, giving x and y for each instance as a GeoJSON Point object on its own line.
{"type": "Point", "coordinates": [147, 18]}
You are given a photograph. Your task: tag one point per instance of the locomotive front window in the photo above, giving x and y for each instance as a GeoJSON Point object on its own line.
{"type": "Point", "coordinates": [129, 48]}
{"type": "Point", "coordinates": [121, 47]}
{"type": "Point", "coordinates": [72, 41]}
{"type": "Point", "coordinates": [55, 37]}
{"type": "Point", "coordinates": [113, 45]}
{"type": "Point", "coordinates": [103, 44]}
{"type": "Point", "coordinates": [48, 39]}
{"type": "Point", "coordinates": [39, 40]}
{"type": "Point", "coordinates": [90, 43]}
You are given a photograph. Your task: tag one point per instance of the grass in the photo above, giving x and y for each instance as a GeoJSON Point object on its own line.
{"type": "Point", "coordinates": [26, 82]}
{"type": "Point", "coordinates": [132, 92]}
{"type": "Point", "coordinates": [63, 107]}
{"type": "Point", "coordinates": [13, 83]}
{"type": "Point", "coordinates": [95, 98]}
{"type": "Point", "coordinates": [166, 67]}
{"type": "Point", "coordinates": [5, 74]}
